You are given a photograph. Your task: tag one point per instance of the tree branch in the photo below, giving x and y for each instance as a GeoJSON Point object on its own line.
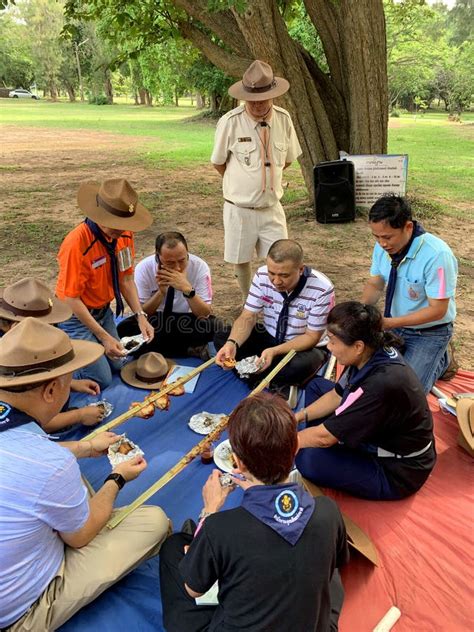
{"type": "Point", "coordinates": [230, 63]}
{"type": "Point", "coordinates": [222, 23]}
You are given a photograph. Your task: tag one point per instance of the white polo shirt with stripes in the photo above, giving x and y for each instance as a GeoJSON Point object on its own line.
{"type": "Point", "coordinates": [308, 311]}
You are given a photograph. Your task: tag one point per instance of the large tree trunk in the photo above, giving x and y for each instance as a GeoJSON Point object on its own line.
{"type": "Point", "coordinates": [345, 110]}
{"type": "Point", "coordinates": [199, 101]}
{"type": "Point", "coordinates": [71, 93]}
{"type": "Point", "coordinates": [109, 93]}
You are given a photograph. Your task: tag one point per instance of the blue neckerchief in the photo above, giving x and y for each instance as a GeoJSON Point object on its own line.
{"type": "Point", "coordinates": [284, 508]}
{"type": "Point", "coordinates": [351, 378]}
{"type": "Point", "coordinates": [397, 258]}
{"type": "Point", "coordinates": [11, 417]}
{"type": "Point", "coordinates": [282, 324]}
{"type": "Point", "coordinates": [110, 247]}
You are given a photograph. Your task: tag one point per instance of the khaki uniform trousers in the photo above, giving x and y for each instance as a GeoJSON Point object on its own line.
{"type": "Point", "coordinates": [85, 573]}
{"type": "Point", "coordinates": [249, 230]}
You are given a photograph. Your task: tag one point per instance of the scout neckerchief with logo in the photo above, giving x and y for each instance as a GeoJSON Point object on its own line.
{"type": "Point", "coordinates": [284, 508]}
{"type": "Point", "coordinates": [282, 324]}
{"type": "Point", "coordinates": [397, 258]}
{"type": "Point", "coordinates": [11, 417]}
{"type": "Point", "coordinates": [111, 249]}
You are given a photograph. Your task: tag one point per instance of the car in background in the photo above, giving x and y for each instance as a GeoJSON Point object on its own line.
{"type": "Point", "coordinates": [20, 93]}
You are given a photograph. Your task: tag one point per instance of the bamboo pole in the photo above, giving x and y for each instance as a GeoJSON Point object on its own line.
{"type": "Point", "coordinates": [193, 453]}
{"type": "Point", "coordinates": [149, 400]}
{"type": "Point", "coordinates": [330, 367]}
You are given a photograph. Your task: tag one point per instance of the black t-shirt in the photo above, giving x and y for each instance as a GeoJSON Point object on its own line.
{"type": "Point", "coordinates": [265, 583]}
{"type": "Point", "coordinates": [388, 409]}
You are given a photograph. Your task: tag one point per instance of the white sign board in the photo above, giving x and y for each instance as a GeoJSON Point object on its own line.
{"type": "Point", "coordinates": [377, 175]}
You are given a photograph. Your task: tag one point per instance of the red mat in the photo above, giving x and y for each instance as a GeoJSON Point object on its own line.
{"type": "Point", "coordinates": [424, 543]}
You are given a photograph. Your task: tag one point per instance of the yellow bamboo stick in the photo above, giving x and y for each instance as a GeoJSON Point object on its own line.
{"type": "Point", "coordinates": [193, 453]}
{"type": "Point", "coordinates": [149, 400]}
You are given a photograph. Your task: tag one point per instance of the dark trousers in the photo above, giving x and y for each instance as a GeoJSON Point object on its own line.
{"type": "Point", "coordinates": [175, 336]}
{"type": "Point", "coordinates": [180, 612]}
{"type": "Point", "coordinates": [356, 472]}
{"type": "Point", "coordinates": [297, 371]}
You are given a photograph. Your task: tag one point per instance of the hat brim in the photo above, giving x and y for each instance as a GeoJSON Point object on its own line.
{"type": "Point", "coordinates": [127, 373]}
{"type": "Point", "coordinates": [85, 353]}
{"type": "Point", "coordinates": [465, 415]}
{"type": "Point", "coordinates": [58, 314]}
{"type": "Point", "coordinates": [87, 202]}
{"type": "Point", "coordinates": [238, 91]}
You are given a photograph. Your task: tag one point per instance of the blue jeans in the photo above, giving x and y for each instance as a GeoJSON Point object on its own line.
{"type": "Point", "coordinates": [101, 370]}
{"type": "Point", "coordinates": [426, 352]}
{"type": "Point", "coordinates": [354, 471]}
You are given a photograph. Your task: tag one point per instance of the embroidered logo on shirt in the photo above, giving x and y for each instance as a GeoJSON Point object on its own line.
{"type": "Point", "coordinates": [96, 263]}
{"type": "Point", "coordinates": [412, 293]}
{"type": "Point", "coordinates": [300, 310]}
{"type": "Point", "coordinates": [4, 411]}
{"type": "Point", "coordinates": [286, 504]}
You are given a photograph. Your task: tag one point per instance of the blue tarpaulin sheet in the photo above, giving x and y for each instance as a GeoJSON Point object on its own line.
{"type": "Point", "coordinates": [134, 602]}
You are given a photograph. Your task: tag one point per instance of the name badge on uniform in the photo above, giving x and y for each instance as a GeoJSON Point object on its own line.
{"type": "Point", "coordinates": [244, 139]}
{"type": "Point", "coordinates": [124, 258]}
{"type": "Point", "coordinates": [96, 263]}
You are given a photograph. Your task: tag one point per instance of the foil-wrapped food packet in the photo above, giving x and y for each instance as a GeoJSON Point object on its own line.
{"type": "Point", "coordinates": [247, 366]}
{"type": "Point", "coordinates": [123, 450]}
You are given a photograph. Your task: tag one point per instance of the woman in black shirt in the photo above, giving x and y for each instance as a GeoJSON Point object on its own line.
{"type": "Point", "coordinates": [371, 434]}
{"type": "Point", "coordinates": [274, 557]}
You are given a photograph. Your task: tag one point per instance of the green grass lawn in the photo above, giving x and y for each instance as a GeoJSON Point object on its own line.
{"type": "Point", "coordinates": [440, 152]}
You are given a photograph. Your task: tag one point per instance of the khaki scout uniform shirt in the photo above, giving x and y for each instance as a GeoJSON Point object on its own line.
{"type": "Point", "coordinates": [238, 142]}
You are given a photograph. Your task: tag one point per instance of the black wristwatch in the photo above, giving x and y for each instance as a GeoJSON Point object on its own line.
{"type": "Point", "coordinates": [190, 294]}
{"type": "Point", "coordinates": [117, 478]}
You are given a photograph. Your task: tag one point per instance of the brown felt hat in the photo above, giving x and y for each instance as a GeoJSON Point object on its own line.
{"type": "Point", "coordinates": [149, 371]}
{"type": "Point", "coordinates": [465, 415]}
{"type": "Point", "coordinates": [32, 297]}
{"type": "Point", "coordinates": [258, 84]}
{"type": "Point", "coordinates": [113, 204]}
{"type": "Point", "coordinates": [34, 351]}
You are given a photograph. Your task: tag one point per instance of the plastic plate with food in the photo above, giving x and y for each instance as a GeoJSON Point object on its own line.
{"type": "Point", "coordinates": [224, 457]}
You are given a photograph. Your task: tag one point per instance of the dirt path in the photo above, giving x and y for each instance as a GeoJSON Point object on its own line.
{"type": "Point", "coordinates": [41, 169]}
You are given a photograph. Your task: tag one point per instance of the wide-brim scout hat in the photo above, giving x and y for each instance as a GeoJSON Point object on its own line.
{"type": "Point", "coordinates": [149, 371]}
{"type": "Point", "coordinates": [259, 84]}
{"type": "Point", "coordinates": [34, 351]}
{"type": "Point", "coordinates": [113, 204]}
{"type": "Point", "coordinates": [465, 415]}
{"type": "Point", "coordinates": [32, 297]}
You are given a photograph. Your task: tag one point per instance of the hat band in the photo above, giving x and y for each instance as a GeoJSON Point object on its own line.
{"type": "Point", "coordinates": [24, 312]}
{"type": "Point", "coordinates": [147, 380]}
{"type": "Point", "coordinates": [31, 369]}
{"type": "Point", "coordinates": [115, 211]}
{"type": "Point", "coordinates": [259, 90]}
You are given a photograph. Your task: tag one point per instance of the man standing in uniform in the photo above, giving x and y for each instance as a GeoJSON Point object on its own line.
{"type": "Point", "coordinates": [96, 265]}
{"type": "Point", "coordinates": [254, 143]}
{"type": "Point", "coordinates": [418, 272]}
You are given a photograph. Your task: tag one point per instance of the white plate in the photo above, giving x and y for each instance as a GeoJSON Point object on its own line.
{"type": "Point", "coordinates": [203, 423]}
{"type": "Point", "coordinates": [223, 457]}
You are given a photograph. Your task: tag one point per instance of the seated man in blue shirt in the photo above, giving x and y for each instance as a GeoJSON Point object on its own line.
{"type": "Point", "coordinates": [55, 555]}
{"type": "Point", "coordinates": [418, 272]}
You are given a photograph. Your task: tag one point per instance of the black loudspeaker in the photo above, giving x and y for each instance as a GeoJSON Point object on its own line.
{"type": "Point", "coordinates": [334, 195]}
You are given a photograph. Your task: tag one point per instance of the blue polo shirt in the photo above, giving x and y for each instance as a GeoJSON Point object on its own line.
{"type": "Point", "coordinates": [41, 493]}
{"type": "Point", "coordinates": [429, 270]}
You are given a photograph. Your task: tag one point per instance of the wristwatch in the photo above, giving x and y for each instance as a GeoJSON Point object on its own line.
{"type": "Point", "coordinates": [117, 478]}
{"type": "Point", "coordinates": [190, 294]}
